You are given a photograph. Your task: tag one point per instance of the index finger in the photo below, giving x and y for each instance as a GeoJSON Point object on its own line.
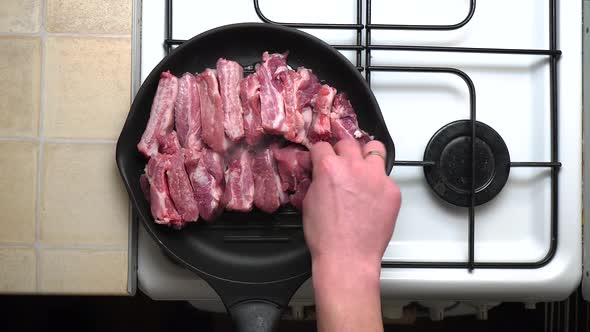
{"type": "Point", "coordinates": [321, 150]}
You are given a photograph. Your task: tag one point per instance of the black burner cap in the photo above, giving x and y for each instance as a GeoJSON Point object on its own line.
{"type": "Point", "coordinates": [450, 149]}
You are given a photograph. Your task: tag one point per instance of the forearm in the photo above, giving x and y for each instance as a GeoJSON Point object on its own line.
{"type": "Point", "coordinates": [347, 299]}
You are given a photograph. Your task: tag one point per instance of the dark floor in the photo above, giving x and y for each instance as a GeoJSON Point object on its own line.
{"type": "Point", "coordinates": [140, 313]}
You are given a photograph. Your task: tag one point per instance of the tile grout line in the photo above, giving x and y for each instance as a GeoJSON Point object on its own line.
{"type": "Point", "coordinates": [41, 133]}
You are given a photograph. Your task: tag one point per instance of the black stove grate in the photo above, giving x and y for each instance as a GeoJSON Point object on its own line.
{"type": "Point", "coordinates": [367, 46]}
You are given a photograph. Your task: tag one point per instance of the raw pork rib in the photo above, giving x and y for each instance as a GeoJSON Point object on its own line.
{"type": "Point", "coordinates": [320, 127]}
{"type": "Point", "coordinates": [272, 109]}
{"type": "Point", "coordinates": [187, 112]}
{"type": "Point", "coordinates": [171, 195]}
{"type": "Point", "coordinates": [163, 209]}
{"type": "Point", "coordinates": [293, 123]}
{"type": "Point", "coordinates": [161, 118]}
{"type": "Point", "coordinates": [294, 164]}
{"type": "Point", "coordinates": [211, 111]}
{"type": "Point", "coordinates": [308, 88]}
{"type": "Point", "coordinates": [343, 121]}
{"type": "Point", "coordinates": [169, 143]}
{"type": "Point", "coordinates": [298, 90]}
{"type": "Point", "coordinates": [268, 194]}
{"type": "Point", "coordinates": [144, 183]}
{"type": "Point", "coordinates": [191, 159]}
{"type": "Point", "coordinates": [239, 183]}
{"type": "Point", "coordinates": [207, 180]}
{"type": "Point", "coordinates": [180, 189]}
{"type": "Point", "coordinates": [307, 114]}
{"type": "Point", "coordinates": [297, 198]}
{"type": "Point", "coordinates": [230, 74]}
{"type": "Point", "coordinates": [250, 96]}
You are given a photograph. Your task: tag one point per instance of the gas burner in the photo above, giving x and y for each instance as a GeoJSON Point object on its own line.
{"type": "Point", "coordinates": [450, 149]}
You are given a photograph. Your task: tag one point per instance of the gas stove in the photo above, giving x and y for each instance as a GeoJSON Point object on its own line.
{"type": "Point", "coordinates": [510, 70]}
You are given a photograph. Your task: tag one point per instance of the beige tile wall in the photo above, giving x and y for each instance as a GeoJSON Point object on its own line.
{"type": "Point", "coordinates": [65, 82]}
{"type": "Point", "coordinates": [87, 79]}
{"type": "Point", "coordinates": [18, 269]}
{"type": "Point", "coordinates": [83, 271]}
{"type": "Point", "coordinates": [20, 85]}
{"type": "Point", "coordinates": [20, 15]}
{"type": "Point", "coordinates": [18, 196]}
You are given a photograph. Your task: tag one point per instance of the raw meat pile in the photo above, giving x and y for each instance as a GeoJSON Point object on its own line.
{"type": "Point", "coordinates": [218, 140]}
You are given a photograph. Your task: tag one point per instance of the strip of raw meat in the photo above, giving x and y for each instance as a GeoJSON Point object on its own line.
{"type": "Point", "coordinates": [239, 183]}
{"type": "Point", "coordinates": [307, 115]}
{"type": "Point", "coordinates": [207, 181]}
{"type": "Point", "coordinates": [211, 111]}
{"type": "Point", "coordinates": [250, 96]}
{"type": "Point", "coordinates": [215, 164]}
{"type": "Point", "coordinates": [343, 121]}
{"type": "Point", "coordinates": [272, 110]}
{"type": "Point", "coordinates": [180, 189]}
{"type": "Point", "coordinates": [191, 159]}
{"type": "Point", "coordinates": [305, 86]}
{"type": "Point", "coordinates": [268, 194]}
{"type": "Point", "coordinates": [308, 87]}
{"type": "Point", "coordinates": [163, 209]}
{"type": "Point", "coordinates": [230, 74]}
{"type": "Point", "coordinates": [294, 165]}
{"type": "Point", "coordinates": [293, 123]}
{"type": "Point", "coordinates": [144, 183]}
{"type": "Point", "coordinates": [297, 198]}
{"type": "Point", "coordinates": [187, 112]}
{"type": "Point", "coordinates": [161, 118]}
{"type": "Point", "coordinates": [320, 127]}
{"type": "Point", "coordinates": [169, 144]}
{"type": "Point", "coordinates": [302, 135]}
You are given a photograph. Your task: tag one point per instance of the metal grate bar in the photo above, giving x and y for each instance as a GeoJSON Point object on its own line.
{"type": "Point", "coordinates": [456, 26]}
{"type": "Point", "coordinates": [168, 31]}
{"type": "Point", "coordinates": [554, 125]}
{"type": "Point", "coordinates": [176, 42]}
{"type": "Point", "coordinates": [464, 49]}
{"type": "Point", "coordinates": [358, 26]}
{"type": "Point", "coordinates": [535, 164]}
{"type": "Point", "coordinates": [413, 163]}
{"type": "Point", "coordinates": [328, 26]}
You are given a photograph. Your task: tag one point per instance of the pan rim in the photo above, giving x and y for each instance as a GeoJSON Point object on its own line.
{"type": "Point", "coordinates": [156, 71]}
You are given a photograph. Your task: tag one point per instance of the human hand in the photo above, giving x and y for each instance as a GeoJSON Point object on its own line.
{"type": "Point", "coordinates": [350, 209]}
{"type": "Point", "coordinates": [349, 214]}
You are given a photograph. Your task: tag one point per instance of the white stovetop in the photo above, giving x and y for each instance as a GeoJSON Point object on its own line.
{"type": "Point", "coordinates": [512, 97]}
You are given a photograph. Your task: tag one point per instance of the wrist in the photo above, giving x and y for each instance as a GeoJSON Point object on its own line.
{"type": "Point", "coordinates": [347, 294]}
{"type": "Point", "coordinates": [338, 274]}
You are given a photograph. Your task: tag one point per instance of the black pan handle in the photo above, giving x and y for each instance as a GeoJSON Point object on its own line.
{"type": "Point", "coordinates": [256, 307]}
{"type": "Point", "coordinates": [255, 315]}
